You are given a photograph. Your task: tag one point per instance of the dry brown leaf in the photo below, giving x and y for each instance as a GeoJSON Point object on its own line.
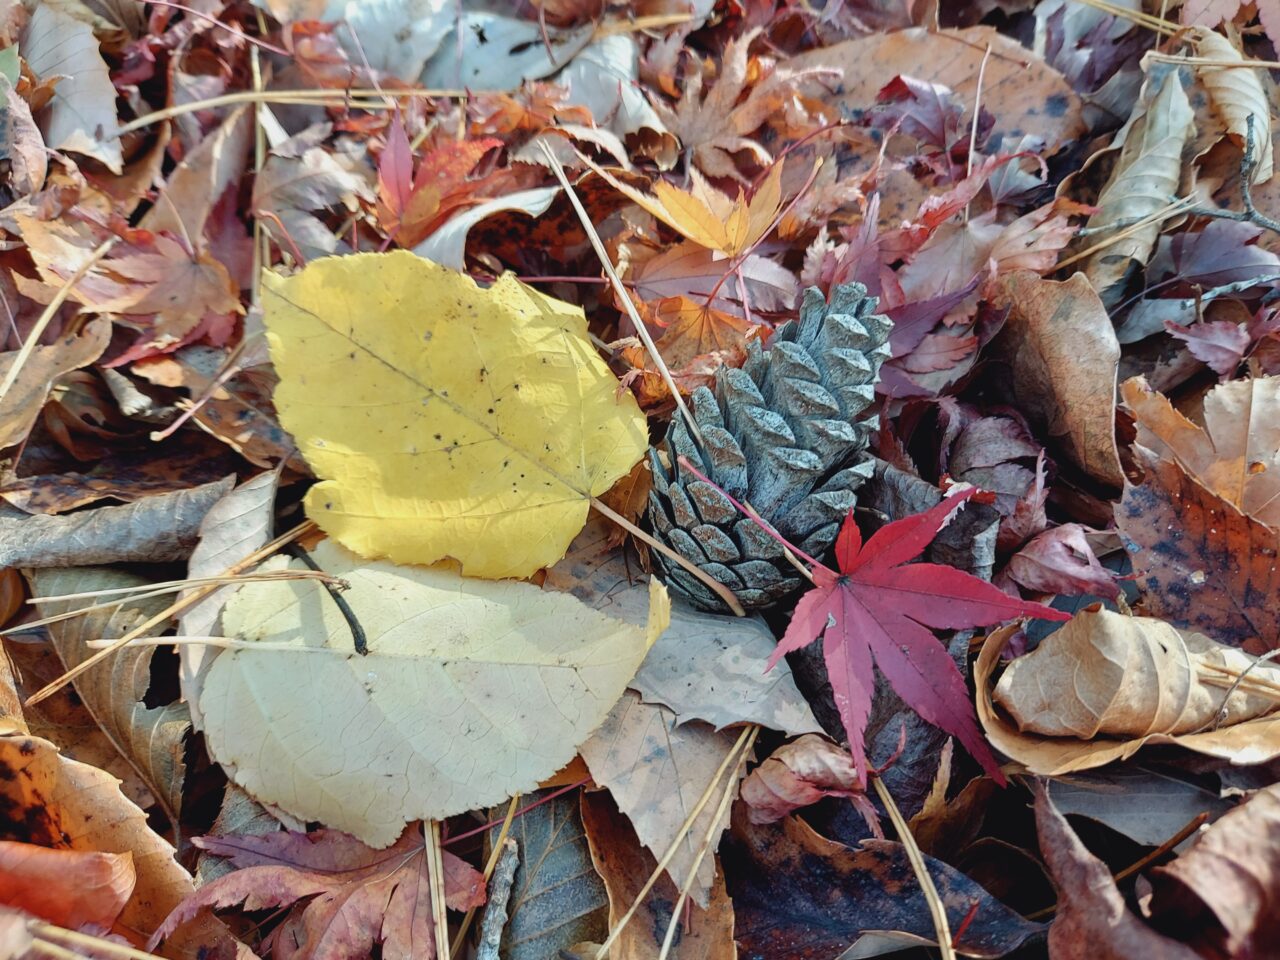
{"type": "Point", "coordinates": [1020, 90]}
{"type": "Point", "coordinates": [1237, 95]}
{"type": "Point", "coordinates": [1236, 454]}
{"type": "Point", "coordinates": [798, 774]}
{"type": "Point", "coordinates": [1062, 348]}
{"type": "Point", "coordinates": [1255, 741]}
{"type": "Point", "coordinates": [71, 888]}
{"type": "Point", "coordinates": [22, 403]}
{"type": "Point", "coordinates": [625, 865]}
{"type": "Point", "coordinates": [1145, 179]}
{"type": "Point", "coordinates": [1201, 563]}
{"type": "Point", "coordinates": [1108, 675]}
{"type": "Point", "coordinates": [151, 739]}
{"type": "Point", "coordinates": [657, 772]}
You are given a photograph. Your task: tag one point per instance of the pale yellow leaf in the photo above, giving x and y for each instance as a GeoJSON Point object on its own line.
{"type": "Point", "coordinates": [1237, 95]}
{"type": "Point", "coordinates": [472, 691]}
{"type": "Point", "coordinates": [443, 419]}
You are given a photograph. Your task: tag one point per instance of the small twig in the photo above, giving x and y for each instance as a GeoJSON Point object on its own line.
{"type": "Point", "coordinates": [936, 908]}
{"type": "Point", "coordinates": [495, 911]}
{"type": "Point", "coordinates": [1250, 214]}
{"type": "Point", "coordinates": [1221, 715]}
{"type": "Point", "coordinates": [59, 298]}
{"type": "Point", "coordinates": [435, 877]}
{"type": "Point", "coordinates": [973, 126]}
{"type": "Point", "coordinates": [358, 638]}
{"type": "Point", "coordinates": [499, 846]}
{"type": "Point", "coordinates": [1164, 213]}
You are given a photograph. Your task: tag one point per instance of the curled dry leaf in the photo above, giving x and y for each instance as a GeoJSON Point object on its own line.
{"type": "Point", "coordinates": [151, 739]}
{"type": "Point", "coordinates": [1250, 742]}
{"type": "Point", "coordinates": [1237, 95]}
{"type": "Point", "coordinates": [1235, 454]}
{"type": "Point", "coordinates": [21, 403]}
{"type": "Point", "coordinates": [1223, 895]}
{"type": "Point", "coordinates": [1145, 179]}
{"type": "Point", "coordinates": [1061, 346]}
{"type": "Point", "coordinates": [472, 690]}
{"type": "Point", "coordinates": [489, 423]}
{"type": "Point", "coordinates": [1092, 921]}
{"type": "Point", "coordinates": [1201, 563]}
{"type": "Point", "coordinates": [1105, 674]}
{"type": "Point", "coordinates": [798, 774]}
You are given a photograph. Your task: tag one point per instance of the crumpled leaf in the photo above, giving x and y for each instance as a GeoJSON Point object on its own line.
{"type": "Point", "coordinates": [472, 690]}
{"type": "Point", "coordinates": [797, 775]}
{"type": "Point", "coordinates": [1061, 560]}
{"type": "Point", "coordinates": [1145, 178]}
{"type": "Point", "coordinates": [81, 117]}
{"type": "Point", "coordinates": [151, 738]}
{"type": "Point", "coordinates": [22, 402]}
{"type": "Point", "coordinates": [1236, 454]}
{"type": "Point", "coordinates": [154, 529]}
{"type": "Point", "coordinates": [657, 772]}
{"type": "Point", "coordinates": [1105, 674]}
{"type": "Point", "coordinates": [881, 606]}
{"type": "Point", "coordinates": [625, 865]}
{"type": "Point", "coordinates": [1062, 348]}
{"type": "Point", "coordinates": [361, 896]}
{"type": "Point", "coordinates": [447, 246]}
{"type": "Point", "coordinates": [499, 52]}
{"type": "Point", "coordinates": [479, 430]}
{"type": "Point", "coordinates": [1237, 95]}
{"type": "Point", "coordinates": [1219, 344]}
{"type": "Point", "coordinates": [704, 666]}
{"type": "Point", "coordinates": [690, 270]}
{"type": "Point", "coordinates": [1201, 563]}
{"type": "Point", "coordinates": [1092, 921]}
{"type": "Point", "coordinates": [72, 888]}
{"type": "Point", "coordinates": [1250, 742]}
{"type": "Point", "coordinates": [1210, 13]}
{"type": "Point", "coordinates": [1223, 895]}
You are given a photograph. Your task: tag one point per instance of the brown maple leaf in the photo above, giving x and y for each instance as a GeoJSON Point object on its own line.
{"type": "Point", "coordinates": [361, 896]}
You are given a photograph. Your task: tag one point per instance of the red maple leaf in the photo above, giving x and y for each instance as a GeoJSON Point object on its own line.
{"type": "Point", "coordinates": [880, 607]}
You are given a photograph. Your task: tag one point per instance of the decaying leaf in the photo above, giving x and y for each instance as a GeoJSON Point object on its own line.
{"type": "Point", "coordinates": [361, 896]}
{"type": "Point", "coordinates": [1250, 742]}
{"type": "Point", "coordinates": [798, 774]}
{"type": "Point", "coordinates": [1145, 179]}
{"type": "Point", "coordinates": [152, 739]}
{"type": "Point", "coordinates": [1061, 346]}
{"type": "Point", "coordinates": [472, 690]}
{"type": "Point", "coordinates": [1235, 454]}
{"type": "Point", "coordinates": [1201, 563]}
{"type": "Point", "coordinates": [72, 888]}
{"type": "Point", "coordinates": [478, 430]}
{"type": "Point", "coordinates": [1104, 674]}
{"type": "Point", "coordinates": [625, 865]}
{"type": "Point", "coordinates": [657, 772]}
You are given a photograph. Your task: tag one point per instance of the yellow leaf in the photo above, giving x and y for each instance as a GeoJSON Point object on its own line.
{"type": "Point", "coordinates": [705, 215]}
{"type": "Point", "coordinates": [472, 691]}
{"type": "Point", "coordinates": [445, 420]}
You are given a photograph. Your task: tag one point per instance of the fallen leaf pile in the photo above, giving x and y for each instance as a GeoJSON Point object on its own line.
{"type": "Point", "coordinates": [662, 481]}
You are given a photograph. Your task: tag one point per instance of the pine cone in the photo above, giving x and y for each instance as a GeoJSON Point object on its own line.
{"type": "Point", "coordinates": [781, 434]}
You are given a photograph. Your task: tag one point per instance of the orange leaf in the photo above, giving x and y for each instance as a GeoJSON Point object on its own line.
{"type": "Point", "coordinates": [72, 888]}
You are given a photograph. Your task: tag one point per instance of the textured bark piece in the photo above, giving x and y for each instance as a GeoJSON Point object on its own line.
{"type": "Point", "coordinates": [783, 434]}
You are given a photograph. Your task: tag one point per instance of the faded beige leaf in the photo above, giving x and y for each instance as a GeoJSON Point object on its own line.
{"type": "Point", "coordinates": [81, 117]}
{"type": "Point", "coordinates": [1250, 742]}
{"type": "Point", "coordinates": [704, 666]}
{"type": "Point", "coordinates": [156, 529]}
{"type": "Point", "coordinates": [151, 739]}
{"type": "Point", "coordinates": [1062, 349]}
{"type": "Point", "coordinates": [472, 690]}
{"type": "Point", "coordinates": [1145, 179]}
{"type": "Point", "coordinates": [657, 772]}
{"type": "Point", "coordinates": [1105, 674]}
{"type": "Point", "coordinates": [1237, 95]}
{"type": "Point", "coordinates": [22, 403]}
{"type": "Point", "coordinates": [1236, 454]}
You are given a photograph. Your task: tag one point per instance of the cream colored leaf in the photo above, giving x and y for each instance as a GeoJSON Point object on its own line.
{"type": "Point", "coordinates": [443, 419]}
{"type": "Point", "coordinates": [1237, 95]}
{"type": "Point", "coordinates": [471, 691]}
{"type": "Point", "coordinates": [1145, 179]}
{"type": "Point", "coordinates": [1237, 452]}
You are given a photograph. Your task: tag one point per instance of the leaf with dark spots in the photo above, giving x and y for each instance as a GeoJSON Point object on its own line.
{"type": "Point", "coordinates": [1200, 562]}
{"type": "Point", "coordinates": [800, 896]}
